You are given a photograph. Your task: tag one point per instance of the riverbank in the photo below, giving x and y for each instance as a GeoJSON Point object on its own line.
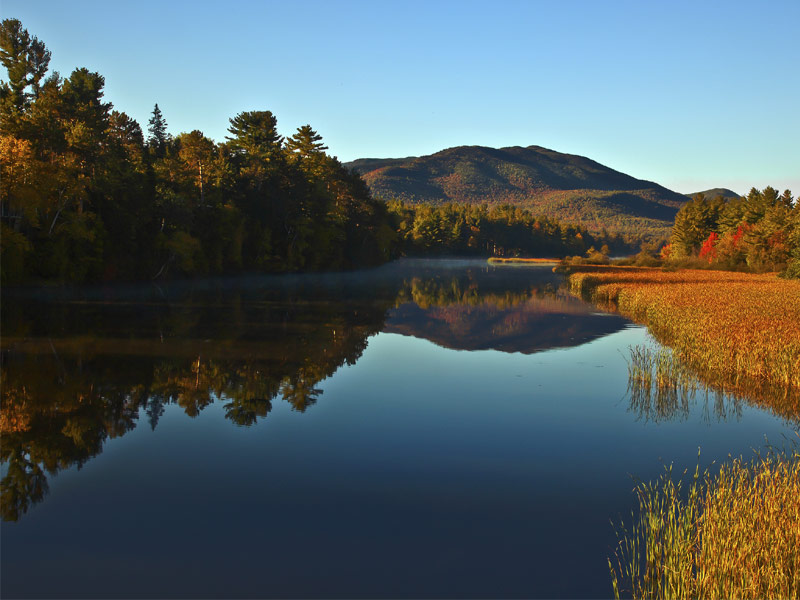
{"type": "Point", "coordinates": [736, 328]}
{"type": "Point", "coordinates": [732, 535]}
{"type": "Point", "coordinates": [498, 260]}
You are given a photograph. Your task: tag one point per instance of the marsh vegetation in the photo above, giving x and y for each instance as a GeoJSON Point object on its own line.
{"type": "Point", "coordinates": [729, 532]}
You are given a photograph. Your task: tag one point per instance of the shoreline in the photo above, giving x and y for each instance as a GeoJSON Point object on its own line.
{"type": "Point", "coordinates": [740, 331]}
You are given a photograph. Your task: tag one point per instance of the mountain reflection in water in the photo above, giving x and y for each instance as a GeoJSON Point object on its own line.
{"type": "Point", "coordinates": [523, 321]}
{"type": "Point", "coordinates": [78, 371]}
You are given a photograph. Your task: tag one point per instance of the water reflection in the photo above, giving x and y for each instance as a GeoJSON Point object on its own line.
{"type": "Point", "coordinates": [81, 369]}
{"type": "Point", "coordinates": [659, 403]}
{"type": "Point", "coordinates": [663, 388]}
{"type": "Point", "coordinates": [459, 314]}
{"type": "Point", "coordinates": [64, 396]}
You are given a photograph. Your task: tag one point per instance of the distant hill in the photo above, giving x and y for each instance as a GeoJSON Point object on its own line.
{"type": "Point", "coordinates": [568, 187]}
{"type": "Point", "coordinates": [713, 193]}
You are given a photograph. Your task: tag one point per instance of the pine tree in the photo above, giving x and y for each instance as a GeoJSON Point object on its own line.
{"type": "Point", "coordinates": [26, 60]}
{"type": "Point", "coordinates": [306, 142]}
{"type": "Point", "coordinates": [255, 133]}
{"type": "Point", "coordinates": [157, 127]}
{"type": "Point", "coordinates": [306, 149]}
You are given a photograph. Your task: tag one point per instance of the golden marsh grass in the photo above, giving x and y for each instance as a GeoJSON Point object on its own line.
{"type": "Point", "coordinates": [739, 331]}
{"type": "Point", "coordinates": [733, 534]}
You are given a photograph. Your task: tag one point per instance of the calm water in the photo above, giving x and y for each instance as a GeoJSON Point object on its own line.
{"type": "Point", "coordinates": [426, 429]}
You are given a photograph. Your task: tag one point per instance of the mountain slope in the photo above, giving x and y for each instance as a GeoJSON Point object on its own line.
{"type": "Point", "coordinates": [713, 193]}
{"type": "Point", "coordinates": [565, 186]}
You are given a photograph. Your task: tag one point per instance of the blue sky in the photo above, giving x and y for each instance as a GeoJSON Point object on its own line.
{"type": "Point", "coordinates": [689, 94]}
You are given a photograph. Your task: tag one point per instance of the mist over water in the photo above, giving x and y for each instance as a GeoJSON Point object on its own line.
{"type": "Point", "coordinates": [430, 428]}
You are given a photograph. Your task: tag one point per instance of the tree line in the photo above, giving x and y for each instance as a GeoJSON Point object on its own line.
{"type": "Point", "coordinates": [85, 195]}
{"type": "Point", "coordinates": [496, 230]}
{"type": "Point", "coordinates": [758, 232]}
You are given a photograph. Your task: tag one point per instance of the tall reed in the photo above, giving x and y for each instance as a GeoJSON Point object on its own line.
{"type": "Point", "coordinates": [740, 331]}
{"type": "Point", "coordinates": [733, 534]}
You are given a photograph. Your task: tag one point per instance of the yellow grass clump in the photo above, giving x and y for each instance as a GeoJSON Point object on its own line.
{"type": "Point", "coordinates": [735, 326]}
{"type": "Point", "coordinates": [731, 535]}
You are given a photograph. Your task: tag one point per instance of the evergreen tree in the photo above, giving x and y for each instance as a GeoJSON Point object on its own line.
{"type": "Point", "coordinates": [157, 127]}
{"type": "Point", "coordinates": [255, 133]}
{"type": "Point", "coordinates": [306, 142]}
{"type": "Point", "coordinates": [26, 60]}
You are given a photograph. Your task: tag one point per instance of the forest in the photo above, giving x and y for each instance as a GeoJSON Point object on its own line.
{"type": "Point", "coordinates": [495, 230]}
{"type": "Point", "coordinates": [87, 195]}
{"type": "Point", "coordinates": [759, 232]}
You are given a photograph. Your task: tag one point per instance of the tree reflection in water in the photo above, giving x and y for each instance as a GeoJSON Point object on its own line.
{"type": "Point", "coordinates": [63, 398]}
{"type": "Point", "coordinates": [77, 373]}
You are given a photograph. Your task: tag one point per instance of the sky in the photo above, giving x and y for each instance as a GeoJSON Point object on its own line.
{"type": "Point", "coordinates": [691, 95]}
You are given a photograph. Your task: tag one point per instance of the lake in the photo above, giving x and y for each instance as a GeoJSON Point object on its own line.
{"type": "Point", "coordinates": [441, 428]}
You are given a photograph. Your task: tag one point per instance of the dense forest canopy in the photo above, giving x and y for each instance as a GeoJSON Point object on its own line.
{"type": "Point", "coordinates": [758, 232]}
{"type": "Point", "coordinates": [86, 196]}
{"type": "Point", "coordinates": [496, 230]}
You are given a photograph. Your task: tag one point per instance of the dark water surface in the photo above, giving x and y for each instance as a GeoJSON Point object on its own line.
{"type": "Point", "coordinates": [426, 429]}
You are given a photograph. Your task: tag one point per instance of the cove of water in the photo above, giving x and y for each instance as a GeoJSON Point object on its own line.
{"type": "Point", "coordinates": [424, 429]}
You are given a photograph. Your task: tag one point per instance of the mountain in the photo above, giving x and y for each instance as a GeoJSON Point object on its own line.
{"type": "Point", "coordinates": [713, 193]}
{"type": "Point", "coordinates": [568, 187]}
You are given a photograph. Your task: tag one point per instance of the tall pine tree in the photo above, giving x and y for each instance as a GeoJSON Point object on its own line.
{"type": "Point", "coordinates": [157, 127]}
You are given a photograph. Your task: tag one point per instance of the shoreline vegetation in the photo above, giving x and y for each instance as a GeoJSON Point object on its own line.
{"type": "Point", "coordinates": [732, 532]}
{"type": "Point", "coordinates": [734, 329]}
{"type": "Point", "coordinates": [525, 261]}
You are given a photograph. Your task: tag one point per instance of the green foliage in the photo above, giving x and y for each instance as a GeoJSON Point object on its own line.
{"type": "Point", "coordinates": [157, 128]}
{"type": "Point", "coordinates": [187, 253]}
{"type": "Point", "coordinates": [731, 533]}
{"type": "Point", "coordinates": [255, 133]}
{"type": "Point", "coordinates": [500, 230]}
{"type": "Point", "coordinates": [74, 250]}
{"type": "Point", "coordinates": [25, 59]}
{"type": "Point", "coordinates": [760, 232]}
{"type": "Point", "coordinates": [83, 197]}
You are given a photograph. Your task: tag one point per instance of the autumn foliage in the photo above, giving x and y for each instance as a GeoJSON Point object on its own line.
{"type": "Point", "coordinates": [731, 326]}
{"type": "Point", "coordinates": [759, 232]}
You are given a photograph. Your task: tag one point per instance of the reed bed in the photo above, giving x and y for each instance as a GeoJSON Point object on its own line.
{"type": "Point", "coordinates": [733, 534]}
{"type": "Point", "coordinates": [737, 329]}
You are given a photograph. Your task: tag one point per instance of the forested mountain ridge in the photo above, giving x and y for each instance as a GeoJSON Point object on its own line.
{"type": "Point", "coordinates": [714, 192]}
{"type": "Point", "coordinates": [564, 186]}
